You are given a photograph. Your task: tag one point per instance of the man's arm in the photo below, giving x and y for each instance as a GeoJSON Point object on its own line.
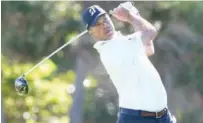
{"type": "Point", "coordinates": [149, 48]}
{"type": "Point", "coordinates": [148, 32]}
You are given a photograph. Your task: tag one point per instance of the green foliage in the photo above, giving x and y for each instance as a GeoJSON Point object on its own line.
{"type": "Point", "coordinates": [47, 97]}
{"type": "Point", "coordinates": [195, 18]}
{"type": "Point", "coordinates": [190, 13]}
{"type": "Point", "coordinates": [32, 29]}
{"type": "Point", "coordinates": [193, 116]}
{"type": "Point", "coordinates": [192, 73]}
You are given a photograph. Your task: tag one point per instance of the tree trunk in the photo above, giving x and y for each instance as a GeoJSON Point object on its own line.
{"type": "Point", "coordinates": [3, 119]}
{"type": "Point", "coordinates": [76, 114]}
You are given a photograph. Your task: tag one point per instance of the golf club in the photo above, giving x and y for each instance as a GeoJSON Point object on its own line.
{"type": "Point", "coordinates": [21, 85]}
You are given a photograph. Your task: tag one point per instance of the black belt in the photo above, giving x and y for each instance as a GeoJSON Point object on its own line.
{"type": "Point", "coordinates": [144, 113]}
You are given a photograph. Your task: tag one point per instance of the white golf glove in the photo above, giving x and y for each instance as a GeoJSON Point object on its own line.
{"type": "Point", "coordinates": [130, 7]}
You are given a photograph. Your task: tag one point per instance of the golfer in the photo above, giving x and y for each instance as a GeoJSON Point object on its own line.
{"type": "Point", "coordinates": [142, 96]}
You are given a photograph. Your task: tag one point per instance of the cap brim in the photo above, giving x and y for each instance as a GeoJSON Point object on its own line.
{"type": "Point", "coordinates": [96, 18]}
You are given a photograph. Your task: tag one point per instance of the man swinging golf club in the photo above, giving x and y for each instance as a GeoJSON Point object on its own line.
{"type": "Point", "coordinates": [142, 96]}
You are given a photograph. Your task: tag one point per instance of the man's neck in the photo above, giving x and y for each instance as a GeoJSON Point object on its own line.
{"type": "Point", "coordinates": [108, 38]}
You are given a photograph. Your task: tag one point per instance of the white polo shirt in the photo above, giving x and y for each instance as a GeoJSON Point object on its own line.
{"type": "Point", "coordinates": [138, 83]}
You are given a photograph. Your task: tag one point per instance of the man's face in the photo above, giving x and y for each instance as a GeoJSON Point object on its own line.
{"type": "Point", "coordinates": [103, 29]}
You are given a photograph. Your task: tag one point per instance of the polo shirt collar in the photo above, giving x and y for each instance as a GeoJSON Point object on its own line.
{"type": "Point", "coordinates": [100, 43]}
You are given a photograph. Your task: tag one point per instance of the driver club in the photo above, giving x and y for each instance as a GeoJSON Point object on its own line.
{"type": "Point", "coordinates": [21, 85]}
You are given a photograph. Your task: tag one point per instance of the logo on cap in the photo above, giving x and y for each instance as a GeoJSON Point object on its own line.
{"type": "Point", "coordinates": [92, 10]}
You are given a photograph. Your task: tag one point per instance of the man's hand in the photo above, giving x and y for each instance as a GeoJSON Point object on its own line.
{"type": "Point", "coordinates": [120, 13]}
{"type": "Point", "coordinates": [123, 11]}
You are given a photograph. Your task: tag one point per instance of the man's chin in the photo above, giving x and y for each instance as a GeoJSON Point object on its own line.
{"type": "Point", "coordinates": [110, 35]}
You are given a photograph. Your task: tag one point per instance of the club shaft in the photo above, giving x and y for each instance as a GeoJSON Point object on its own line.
{"type": "Point", "coordinates": [60, 48]}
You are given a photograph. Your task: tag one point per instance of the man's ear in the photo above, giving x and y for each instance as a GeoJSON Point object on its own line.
{"type": "Point", "coordinates": [90, 31]}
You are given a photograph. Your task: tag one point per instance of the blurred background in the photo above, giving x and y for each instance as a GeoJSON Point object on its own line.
{"type": "Point", "coordinates": [73, 86]}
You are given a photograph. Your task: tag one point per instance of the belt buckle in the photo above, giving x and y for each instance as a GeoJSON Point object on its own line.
{"type": "Point", "coordinates": [157, 115]}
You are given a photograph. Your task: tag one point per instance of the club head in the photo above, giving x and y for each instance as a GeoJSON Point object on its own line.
{"type": "Point", "coordinates": [21, 86]}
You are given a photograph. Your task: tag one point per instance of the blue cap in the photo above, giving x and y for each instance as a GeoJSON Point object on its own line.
{"type": "Point", "coordinates": [91, 15]}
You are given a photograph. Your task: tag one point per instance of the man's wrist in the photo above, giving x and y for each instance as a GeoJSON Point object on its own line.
{"type": "Point", "coordinates": [131, 17]}
{"type": "Point", "coordinates": [132, 14]}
